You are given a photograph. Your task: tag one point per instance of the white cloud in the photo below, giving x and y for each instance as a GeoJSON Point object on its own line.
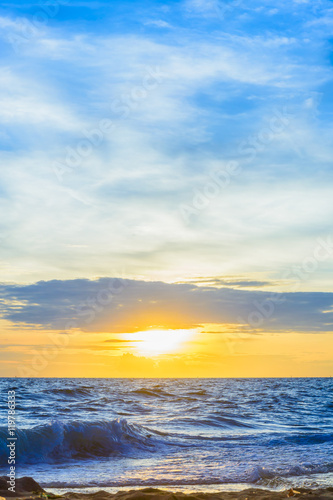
{"type": "Point", "coordinates": [119, 209]}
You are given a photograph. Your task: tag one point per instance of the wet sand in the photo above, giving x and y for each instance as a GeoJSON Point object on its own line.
{"type": "Point", "coordinates": [27, 488]}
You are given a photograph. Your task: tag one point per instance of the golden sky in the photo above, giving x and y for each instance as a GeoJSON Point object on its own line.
{"type": "Point", "coordinates": [167, 353]}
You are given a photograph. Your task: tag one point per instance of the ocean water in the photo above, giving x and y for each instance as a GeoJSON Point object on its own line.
{"type": "Point", "coordinates": [204, 433]}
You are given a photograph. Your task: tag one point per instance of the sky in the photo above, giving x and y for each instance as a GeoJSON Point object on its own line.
{"type": "Point", "coordinates": [166, 188]}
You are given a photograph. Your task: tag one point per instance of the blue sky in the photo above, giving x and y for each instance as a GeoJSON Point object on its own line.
{"type": "Point", "coordinates": [177, 142]}
{"type": "Point", "coordinates": [224, 71]}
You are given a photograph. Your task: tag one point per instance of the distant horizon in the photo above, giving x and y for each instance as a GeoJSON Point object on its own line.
{"type": "Point", "coordinates": [169, 378]}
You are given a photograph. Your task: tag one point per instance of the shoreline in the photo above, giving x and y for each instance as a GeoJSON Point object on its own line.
{"type": "Point", "coordinates": [28, 488]}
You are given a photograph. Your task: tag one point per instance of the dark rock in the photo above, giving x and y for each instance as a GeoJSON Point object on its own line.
{"type": "Point", "coordinates": [23, 486]}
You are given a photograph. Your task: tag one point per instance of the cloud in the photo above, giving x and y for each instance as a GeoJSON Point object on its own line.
{"type": "Point", "coordinates": [222, 282]}
{"type": "Point", "coordinates": [114, 305]}
{"type": "Point", "coordinates": [119, 341]}
{"type": "Point", "coordinates": [117, 210]}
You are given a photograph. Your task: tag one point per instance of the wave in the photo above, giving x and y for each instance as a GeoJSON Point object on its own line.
{"type": "Point", "coordinates": [155, 393]}
{"type": "Point", "coordinates": [76, 440]}
{"type": "Point", "coordinates": [77, 391]}
{"type": "Point", "coordinates": [80, 440]}
{"type": "Point", "coordinates": [219, 421]}
{"type": "Point", "coordinates": [271, 477]}
{"type": "Point", "coordinates": [303, 439]}
{"type": "Point", "coordinates": [267, 477]}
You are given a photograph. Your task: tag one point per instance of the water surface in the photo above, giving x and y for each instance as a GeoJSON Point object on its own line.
{"type": "Point", "coordinates": [135, 432]}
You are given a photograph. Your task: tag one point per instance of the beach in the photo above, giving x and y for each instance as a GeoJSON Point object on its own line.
{"type": "Point", "coordinates": [28, 488]}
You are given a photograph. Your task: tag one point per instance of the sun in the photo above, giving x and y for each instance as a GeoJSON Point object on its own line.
{"type": "Point", "coordinates": [155, 342]}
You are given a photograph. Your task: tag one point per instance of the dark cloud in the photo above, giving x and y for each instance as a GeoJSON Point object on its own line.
{"type": "Point", "coordinates": [119, 341]}
{"type": "Point", "coordinates": [115, 305]}
{"type": "Point", "coordinates": [231, 283]}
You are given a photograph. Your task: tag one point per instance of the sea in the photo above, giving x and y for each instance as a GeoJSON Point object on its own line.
{"type": "Point", "coordinates": [185, 434]}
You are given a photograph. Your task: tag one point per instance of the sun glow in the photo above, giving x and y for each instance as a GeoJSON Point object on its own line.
{"type": "Point", "coordinates": [154, 342]}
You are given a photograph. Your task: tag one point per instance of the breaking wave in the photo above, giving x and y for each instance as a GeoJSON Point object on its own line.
{"type": "Point", "coordinates": [80, 440]}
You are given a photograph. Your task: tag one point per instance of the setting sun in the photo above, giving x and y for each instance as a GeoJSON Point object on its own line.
{"type": "Point", "coordinates": [154, 342]}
